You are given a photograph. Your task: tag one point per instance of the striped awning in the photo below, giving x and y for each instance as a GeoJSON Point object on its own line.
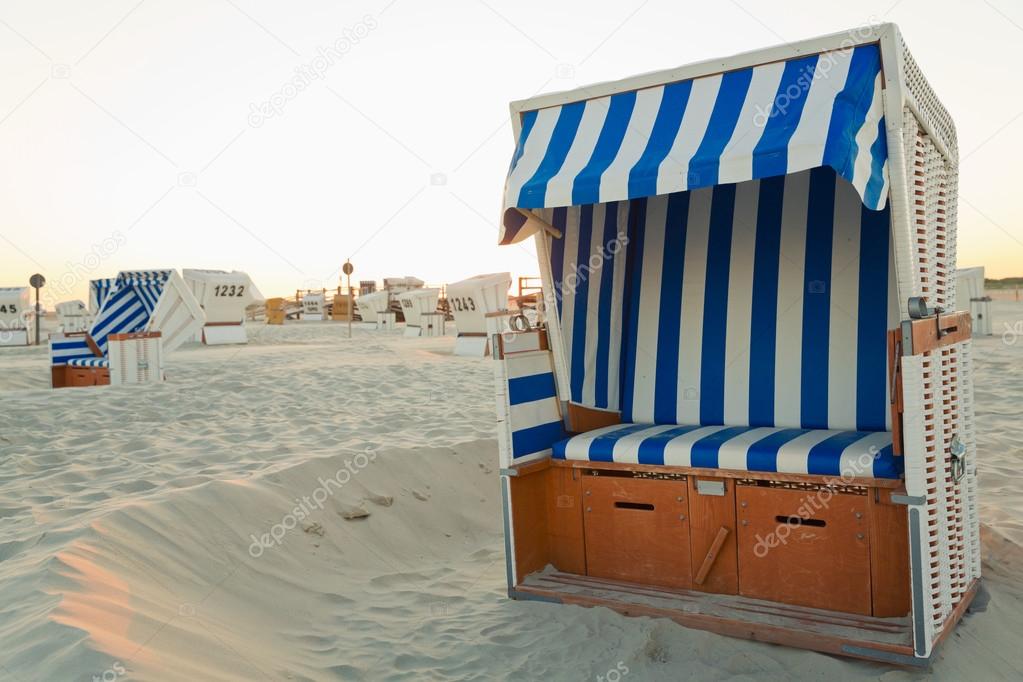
{"type": "Point", "coordinates": [768, 120]}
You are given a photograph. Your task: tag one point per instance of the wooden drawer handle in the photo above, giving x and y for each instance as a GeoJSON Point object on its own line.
{"type": "Point", "coordinates": [642, 506]}
{"type": "Point", "coordinates": [800, 521]}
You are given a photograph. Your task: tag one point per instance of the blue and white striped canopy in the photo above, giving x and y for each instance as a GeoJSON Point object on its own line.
{"type": "Point", "coordinates": [99, 289]}
{"type": "Point", "coordinates": [768, 120]}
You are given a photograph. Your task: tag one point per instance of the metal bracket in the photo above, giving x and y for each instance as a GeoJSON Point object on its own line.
{"type": "Point", "coordinates": [908, 500]}
{"type": "Point", "coordinates": [957, 451]}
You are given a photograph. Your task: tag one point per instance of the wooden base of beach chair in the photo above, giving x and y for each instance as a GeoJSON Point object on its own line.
{"type": "Point", "coordinates": [224, 333]}
{"type": "Point", "coordinates": [75, 377]}
{"type": "Point", "coordinates": [796, 544]}
{"type": "Point", "coordinates": [884, 640]}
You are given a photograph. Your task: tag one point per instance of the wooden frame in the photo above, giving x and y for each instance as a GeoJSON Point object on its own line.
{"type": "Point", "coordinates": [550, 511]}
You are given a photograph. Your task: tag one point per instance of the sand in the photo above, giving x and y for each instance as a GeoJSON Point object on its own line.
{"type": "Point", "coordinates": [312, 507]}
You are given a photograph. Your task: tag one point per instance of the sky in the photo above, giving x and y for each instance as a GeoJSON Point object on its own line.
{"type": "Point", "coordinates": [282, 138]}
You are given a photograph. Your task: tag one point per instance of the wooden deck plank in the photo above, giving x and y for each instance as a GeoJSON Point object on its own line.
{"type": "Point", "coordinates": [808, 628]}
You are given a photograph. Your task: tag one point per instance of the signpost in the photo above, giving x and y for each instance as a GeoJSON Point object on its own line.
{"type": "Point", "coordinates": [37, 282]}
{"type": "Point", "coordinates": [348, 269]}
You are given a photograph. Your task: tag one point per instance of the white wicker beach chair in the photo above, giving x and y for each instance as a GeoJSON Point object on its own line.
{"type": "Point", "coordinates": [73, 316]}
{"type": "Point", "coordinates": [224, 297]}
{"type": "Point", "coordinates": [17, 317]}
{"type": "Point", "coordinates": [757, 360]}
{"type": "Point", "coordinates": [470, 301]}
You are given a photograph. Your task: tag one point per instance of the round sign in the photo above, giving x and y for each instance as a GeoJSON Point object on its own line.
{"type": "Point", "coordinates": [348, 268]}
{"type": "Point", "coordinates": [37, 281]}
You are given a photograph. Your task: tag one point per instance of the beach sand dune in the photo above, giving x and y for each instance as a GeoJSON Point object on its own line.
{"type": "Point", "coordinates": [312, 507]}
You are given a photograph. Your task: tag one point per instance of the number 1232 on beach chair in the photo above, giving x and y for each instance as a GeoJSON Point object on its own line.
{"type": "Point", "coordinates": [749, 408]}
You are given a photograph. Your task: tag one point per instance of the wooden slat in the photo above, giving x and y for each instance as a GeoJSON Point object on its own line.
{"type": "Point", "coordinates": [889, 555]}
{"type": "Point", "coordinates": [807, 628]}
{"type": "Point", "coordinates": [956, 327]}
{"type": "Point", "coordinates": [565, 521]}
{"type": "Point", "coordinates": [895, 383]}
{"type": "Point", "coordinates": [726, 473]}
{"type": "Point", "coordinates": [711, 513]}
{"type": "Point", "coordinates": [890, 626]}
{"type": "Point", "coordinates": [712, 554]}
{"type": "Point", "coordinates": [582, 419]}
{"type": "Point", "coordinates": [529, 521]}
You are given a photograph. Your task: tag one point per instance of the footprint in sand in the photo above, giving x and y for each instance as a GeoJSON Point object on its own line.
{"type": "Point", "coordinates": [422, 497]}
{"type": "Point", "coordinates": [380, 500]}
{"type": "Point", "coordinates": [351, 513]}
{"type": "Point", "coordinates": [314, 529]}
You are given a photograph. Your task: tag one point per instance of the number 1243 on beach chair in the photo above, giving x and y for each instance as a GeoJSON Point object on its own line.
{"type": "Point", "coordinates": [750, 407]}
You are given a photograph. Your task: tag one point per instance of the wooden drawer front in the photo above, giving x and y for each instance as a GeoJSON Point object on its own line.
{"type": "Point", "coordinates": [82, 377]}
{"type": "Point", "coordinates": [822, 563]}
{"type": "Point", "coordinates": [637, 530]}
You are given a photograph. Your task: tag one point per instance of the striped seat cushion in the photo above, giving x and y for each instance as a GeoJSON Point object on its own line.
{"type": "Point", "coordinates": [849, 454]}
{"type": "Point", "coordinates": [89, 362]}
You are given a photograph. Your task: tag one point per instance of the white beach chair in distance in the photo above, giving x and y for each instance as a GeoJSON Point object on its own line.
{"type": "Point", "coordinates": [417, 306]}
{"type": "Point", "coordinates": [371, 305]}
{"type": "Point", "coordinates": [17, 317]}
{"type": "Point", "coordinates": [314, 306]}
{"type": "Point", "coordinates": [970, 295]}
{"type": "Point", "coordinates": [146, 310]}
{"type": "Point", "coordinates": [224, 297]}
{"type": "Point", "coordinates": [470, 301]}
{"type": "Point", "coordinates": [397, 285]}
{"type": "Point", "coordinates": [73, 316]}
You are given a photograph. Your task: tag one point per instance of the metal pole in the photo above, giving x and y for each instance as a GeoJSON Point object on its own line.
{"type": "Point", "coordinates": [37, 316]}
{"type": "Point", "coordinates": [350, 305]}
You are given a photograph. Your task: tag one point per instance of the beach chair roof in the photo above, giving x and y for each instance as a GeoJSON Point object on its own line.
{"type": "Point", "coordinates": [236, 277]}
{"type": "Point", "coordinates": [761, 114]}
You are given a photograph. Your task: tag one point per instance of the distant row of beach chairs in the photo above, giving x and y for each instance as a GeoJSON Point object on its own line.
{"type": "Point", "coordinates": [134, 319]}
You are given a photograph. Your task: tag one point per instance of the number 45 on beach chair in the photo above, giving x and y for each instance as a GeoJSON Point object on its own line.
{"type": "Point", "coordinates": [747, 409]}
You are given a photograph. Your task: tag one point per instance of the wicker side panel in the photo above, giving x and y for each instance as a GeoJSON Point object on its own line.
{"type": "Point", "coordinates": [930, 108]}
{"type": "Point", "coordinates": [933, 233]}
{"type": "Point", "coordinates": [972, 514]}
{"type": "Point", "coordinates": [938, 397]}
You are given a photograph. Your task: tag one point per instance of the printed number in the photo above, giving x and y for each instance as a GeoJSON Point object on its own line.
{"type": "Point", "coordinates": [9, 308]}
{"type": "Point", "coordinates": [406, 303]}
{"type": "Point", "coordinates": [229, 291]}
{"type": "Point", "coordinates": [463, 304]}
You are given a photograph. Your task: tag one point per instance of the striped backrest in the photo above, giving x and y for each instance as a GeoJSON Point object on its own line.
{"type": "Point", "coordinates": [64, 348]}
{"type": "Point", "coordinates": [763, 303]}
{"type": "Point", "coordinates": [129, 305]}
{"type": "Point", "coordinates": [534, 413]}
{"type": "Point", "coordinates": [588, 267]}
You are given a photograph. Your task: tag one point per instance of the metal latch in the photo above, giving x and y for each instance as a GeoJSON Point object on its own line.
{"type": "Point", "coordinates": [958, 452]}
